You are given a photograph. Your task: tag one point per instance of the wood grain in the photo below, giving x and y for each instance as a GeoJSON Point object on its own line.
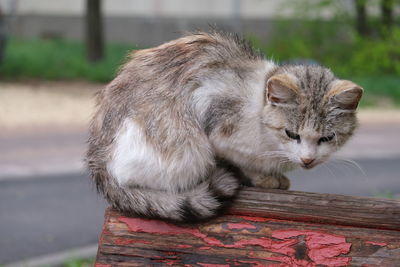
{"type": "Point", "coordinates": [263, 228]}
{"type": "Point", "coordinates": [321, 208]}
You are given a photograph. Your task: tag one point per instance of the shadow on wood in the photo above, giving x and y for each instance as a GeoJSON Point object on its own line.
{"type": "Point", "coordinates": [263, 228]}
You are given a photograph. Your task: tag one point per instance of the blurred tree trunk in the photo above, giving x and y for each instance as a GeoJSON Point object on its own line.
{"type": "Point", "coordinates": [387, 13]}
{"type": "Point", "coordinates": [361, 17]}
{"type": "Point", "coordinates": [94, 31]}
{"type": "Point", "coordinates": [3, 36]}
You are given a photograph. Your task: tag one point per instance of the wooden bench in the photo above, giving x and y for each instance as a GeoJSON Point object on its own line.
{"type": "Point", "coordinates": [263, 228]}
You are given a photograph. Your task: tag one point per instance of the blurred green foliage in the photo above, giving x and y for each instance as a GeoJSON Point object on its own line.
{"type": "Point", "coordinates": [79, 263]}
{"type": "Point", "coordinates": [325, 32]}
{"type": "Point", "coordinates": [386, 194]}
{"type": "Point", "coordinates": [372, 63]}
{"type": "Point", "coordinates": [346, 54]}
{"type": "Point", "coordinates": [379, 90]}
{"type": "Point", "coordinates": [59, 60]}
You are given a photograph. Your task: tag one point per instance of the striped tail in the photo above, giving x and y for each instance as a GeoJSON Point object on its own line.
{"type": "Point", "coordinates": [204, 201]}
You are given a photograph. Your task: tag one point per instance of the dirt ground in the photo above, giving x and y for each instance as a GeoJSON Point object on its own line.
{"type": "Point", "coordinates": [50, 105]}
{"type": "Point", "coordinates": [37, 105]}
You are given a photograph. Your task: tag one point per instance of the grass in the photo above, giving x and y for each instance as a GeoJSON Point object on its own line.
{"type": "Point", "coordinates": [65, 60]}
{"type": "Point", "coordinates": [79, 263]}
{"type": "Point", "coordinates": [386, 194]}
{"type": "Point", "coordinates": [59, 60]}
{"type": "Point", "coordinates": [383, 90]}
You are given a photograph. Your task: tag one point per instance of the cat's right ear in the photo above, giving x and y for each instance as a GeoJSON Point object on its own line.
{"type": "Point", "coordinates": [281, 90]}
{"type": "Point", "coordinates": [345, 95]}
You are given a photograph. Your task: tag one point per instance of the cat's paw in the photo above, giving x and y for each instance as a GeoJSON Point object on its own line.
{"type": "Point", "coordinates": [210, 197]}
{"type": "Point", "coordinates": [272, 182]}
{"type": "Point", "coordinates": [224, 184]}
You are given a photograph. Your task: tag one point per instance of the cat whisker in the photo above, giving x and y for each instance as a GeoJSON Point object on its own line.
{"type": "Point", "coordinates": [326, 165]}
{"type": "Point", "coordinates": [284, 161]}
{"type": "Point", "coordinates": [274, 154]}
{"type": "Point", "coordinates": [352, 163]}
{"type": "Point", "coordinates": [336, 140]}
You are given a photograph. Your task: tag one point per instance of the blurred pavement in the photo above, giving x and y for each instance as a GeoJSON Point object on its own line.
{"type": "Point", "coordinates": [33, 152]}
{"type": "Point", "coordinates": [47, 214]}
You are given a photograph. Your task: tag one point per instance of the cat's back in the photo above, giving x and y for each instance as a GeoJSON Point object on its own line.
{"type": "Point", "coordinates": [156, 79]}
{"type": "Point", "coordinates": [155, 86]}
{"type": "Point", "coordinates": [176, 63]}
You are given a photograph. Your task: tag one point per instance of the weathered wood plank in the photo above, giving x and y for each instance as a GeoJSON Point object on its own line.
{"type": "Point", "coordinates": [251, 235]}
{"type": "Point", "coordinates": [320, 208]}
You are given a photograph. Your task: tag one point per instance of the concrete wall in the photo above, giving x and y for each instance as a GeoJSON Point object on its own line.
{"type": "Point", "coordinates": [144, 22]}
{"type": "Point", "coordinates": [164, 8]}
{"type": "Point", "coordinates": [143, 31]}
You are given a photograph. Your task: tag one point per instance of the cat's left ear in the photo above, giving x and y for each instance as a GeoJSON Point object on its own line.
{"type": "Point", "coordinates": [345, 95]}
{"type": "Point", "coordinates": [281, 90]}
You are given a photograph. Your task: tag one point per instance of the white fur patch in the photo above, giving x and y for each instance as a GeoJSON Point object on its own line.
{"type": "Point", "coordinates": [135, 162]}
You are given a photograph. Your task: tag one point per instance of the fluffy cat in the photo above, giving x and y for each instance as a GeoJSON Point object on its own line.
{"type": "Point", "coordinates": [185, 123]}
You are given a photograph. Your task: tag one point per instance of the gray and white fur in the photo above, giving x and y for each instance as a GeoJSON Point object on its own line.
{"type": "Point", "coordinates": [185, 123]}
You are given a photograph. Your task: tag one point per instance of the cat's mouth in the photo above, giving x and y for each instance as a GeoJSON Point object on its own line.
{"type": "Point", "coordinates": [308, 163]}
{"type": "Point", "coordinates": [308, 166]}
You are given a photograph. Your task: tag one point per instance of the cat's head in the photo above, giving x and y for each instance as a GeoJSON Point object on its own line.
{"type": "Point", "coordinates": [309, 112]}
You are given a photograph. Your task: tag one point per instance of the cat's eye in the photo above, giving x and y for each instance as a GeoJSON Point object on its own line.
{"type": "Point", "coordinates": [326, 138]}
{"type": "Point", "coordinates": [292, 135]}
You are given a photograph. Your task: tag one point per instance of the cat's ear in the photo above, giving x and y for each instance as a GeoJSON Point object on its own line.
{"type": "Point", "coordinates": [281, 90]}
{"type": "Point", "coordinates": [345, 95]}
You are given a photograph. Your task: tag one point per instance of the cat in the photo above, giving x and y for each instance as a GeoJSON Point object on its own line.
{"type": "Point", "coordinates": [185, 124]}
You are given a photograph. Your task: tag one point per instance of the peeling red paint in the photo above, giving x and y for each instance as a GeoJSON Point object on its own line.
{"type": "Point", "coordinates": [172, 254]}
{"type": "Point", "coordinates": [323, 248]}
{"type": "Point", "coordinates": [212, 265]}
{"type": "Point", "coordinates": [170, 262]}
{"type": "Point", "coordinates": [182, 246]}
{"type": "Point", "coordinates": [283, 247]}
{"type": "Point", "coordinates": [291, 262]}
{"type": "Point", "coordinates": [124, 241]}
{"type": "Point", "coordinates": [381, 244]}
{"type": "Point", "coordinates": [254, 219]}
{"type": "Point", "coordinates": [252, 263]}
{"type": "Point", "coordinates": [160, 227]}
{"type": "Point", "coordinates": [106, 232]}
{"type": "Point", "coordinates": [244, 225]}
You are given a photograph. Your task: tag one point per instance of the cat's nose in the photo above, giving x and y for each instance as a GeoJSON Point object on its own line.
{"type": "Point", "coordinates": [307, 161]}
